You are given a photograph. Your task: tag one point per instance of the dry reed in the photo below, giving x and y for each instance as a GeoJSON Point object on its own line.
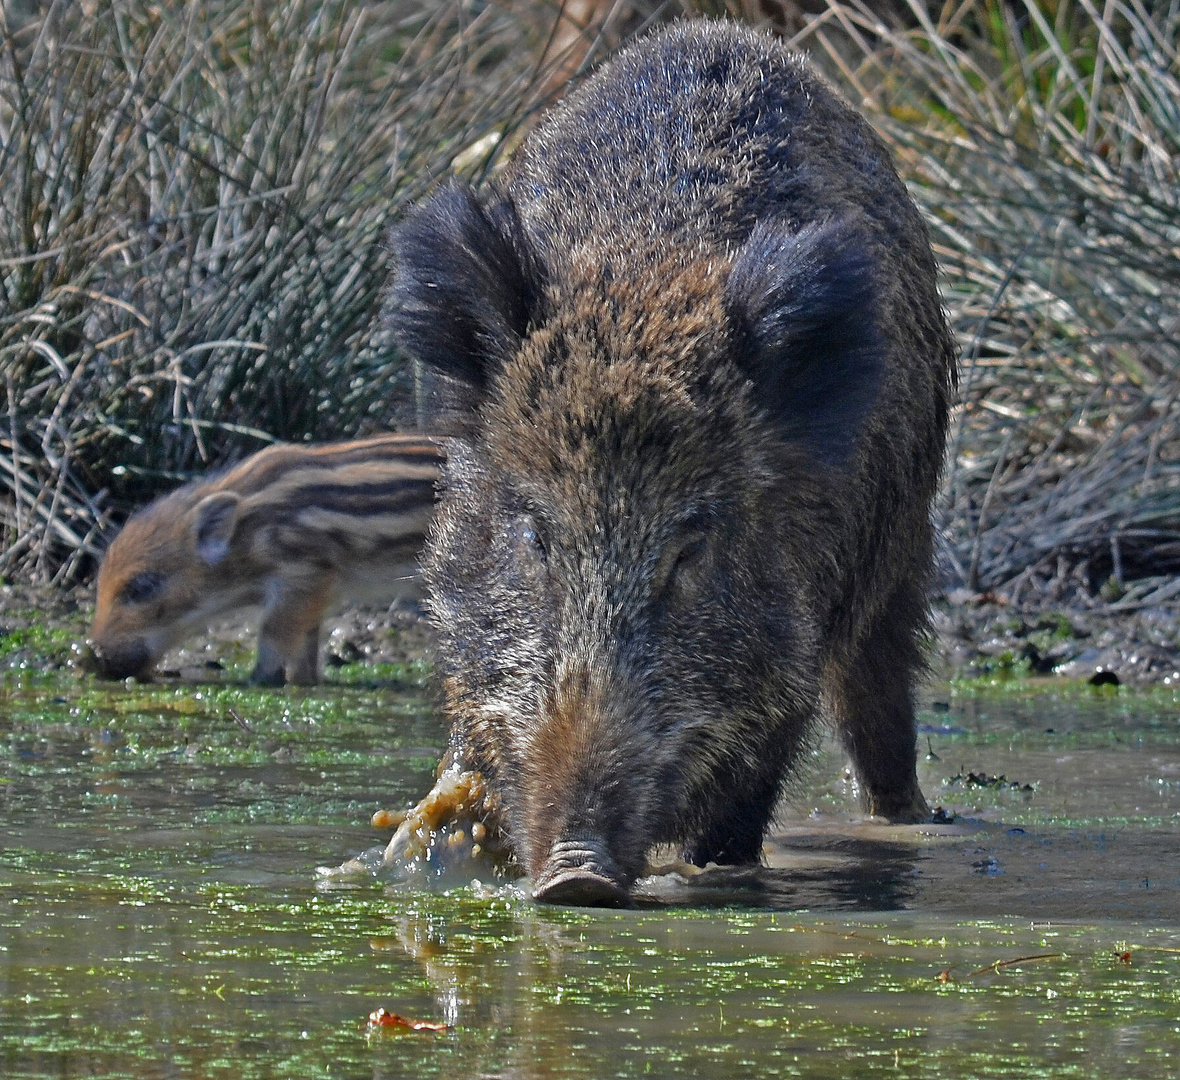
{"type": "Point", "coordinates": [194, 195]}
{"type": "Point", "coordinates": [191, 214]}
{"type": "Point", "coordinates": [1043, 140]}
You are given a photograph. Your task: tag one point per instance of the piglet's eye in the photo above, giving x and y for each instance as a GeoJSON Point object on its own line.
{"type": "Point", "coordinates": [141, 588]}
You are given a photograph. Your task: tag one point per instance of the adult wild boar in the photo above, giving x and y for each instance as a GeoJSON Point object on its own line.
{"type": "Point", "coordinates": [696, 376]}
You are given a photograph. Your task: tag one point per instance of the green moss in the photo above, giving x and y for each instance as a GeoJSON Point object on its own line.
{"type": "Point", "coordinates": [38, 646]}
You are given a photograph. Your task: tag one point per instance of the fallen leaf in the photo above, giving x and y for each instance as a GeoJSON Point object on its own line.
{"type": "Point", "coordinates": [379, 1018]}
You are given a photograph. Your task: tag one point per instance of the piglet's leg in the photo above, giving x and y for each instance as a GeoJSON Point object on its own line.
{"type": "Point", "coordinates": [307, 666]}
{"type": "Point", "coordinates": [288, 640]}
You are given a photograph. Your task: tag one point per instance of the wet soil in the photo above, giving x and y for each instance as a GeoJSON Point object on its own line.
{"type": "Point", "coordinates": [976, 636]}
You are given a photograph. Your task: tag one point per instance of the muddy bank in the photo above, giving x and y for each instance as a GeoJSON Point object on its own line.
{"type": "Point", "coordinates": [46, 628]}
{"type": "Point", "coordinates": [975, 637]}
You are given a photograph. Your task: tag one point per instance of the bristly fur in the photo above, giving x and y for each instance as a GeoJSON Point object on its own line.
{"type": "Point", "coordinates": [806, 302]}
{"type": "Point", "coordinates": [472, 264]}
{"type": "Point", "coordinates": [704, 377]}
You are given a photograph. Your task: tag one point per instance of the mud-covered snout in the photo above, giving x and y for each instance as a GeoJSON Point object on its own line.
{"type": "Point", "coordinates": [121, 659]}
{"type": "Point", "coordinates": [581, 873]}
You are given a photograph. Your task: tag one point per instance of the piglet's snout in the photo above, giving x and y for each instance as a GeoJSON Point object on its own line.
{"type": "Point", "coordinates": [121, 660]}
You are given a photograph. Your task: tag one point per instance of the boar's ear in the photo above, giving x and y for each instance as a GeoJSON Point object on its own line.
{"type": "Point", "coordinates": [805, 306]}
{"type": "Point", "coordinates": [213, 525]}
{"type": "Point", "coordinates": [464, 285]}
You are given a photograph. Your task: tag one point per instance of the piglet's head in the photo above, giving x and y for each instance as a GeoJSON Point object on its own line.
{"type": "Point", "coordinates": [164, 573]}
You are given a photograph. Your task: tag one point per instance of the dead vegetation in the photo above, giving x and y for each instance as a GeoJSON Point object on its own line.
{"type": "Point", "coordinates": [1043, 139]}
{"type": "Point", "coordinates": [194, 196]}
{"type": "Point", "coordinates": [191, 217]}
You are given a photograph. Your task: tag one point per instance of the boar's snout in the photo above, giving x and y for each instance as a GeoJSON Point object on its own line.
{"type": "Point", "coordinates": [580, 873]}
{"type": "Point", "coordinates": [123, 660]}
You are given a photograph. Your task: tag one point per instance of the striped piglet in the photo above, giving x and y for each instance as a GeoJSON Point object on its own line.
{"type": "Point", "coordinates": [297, 530]}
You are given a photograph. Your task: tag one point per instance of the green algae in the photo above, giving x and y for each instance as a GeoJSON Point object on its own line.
{"type": "Point", "coordinates": [279, 981]}
{"type": "Point", "coordinates": [159, 917]}
{"type": "Point", "coordinates": [38, 640]}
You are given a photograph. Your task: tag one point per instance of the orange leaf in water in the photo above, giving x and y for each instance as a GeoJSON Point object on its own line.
{"type": "Point", "coordinates": [379, 1018]}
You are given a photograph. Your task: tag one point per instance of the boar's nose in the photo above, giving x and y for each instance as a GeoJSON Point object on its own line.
{"type": "Point", "coordinates": [129, 659]}
{"type": "Point", "coordinates": [580, 873]}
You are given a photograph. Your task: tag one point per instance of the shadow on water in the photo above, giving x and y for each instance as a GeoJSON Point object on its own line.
{"type": "Point", "coordinates": [159, 917]}
{"type": "Point", "coordinates": [974, 868]}
{"type": "Point", "coordinates": [850, 874]}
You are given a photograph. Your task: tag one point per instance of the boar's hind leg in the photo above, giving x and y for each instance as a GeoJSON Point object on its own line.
{"type": "Point", "coordinates": [874, 710]}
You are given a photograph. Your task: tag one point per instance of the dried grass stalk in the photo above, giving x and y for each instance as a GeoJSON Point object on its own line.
{"type": "Point", "coordinates": [194, 196]}
{"type": "Point", "coordinates": [1043, 140]}
{"type": "Point", "coordinates": [191, 215]}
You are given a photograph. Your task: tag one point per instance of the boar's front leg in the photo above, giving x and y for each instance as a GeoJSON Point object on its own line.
{"type": "Point", "coordinates": [289, 637]}
{"type": "Point", "coordinates": [741, 808]}
{"type": "Point", "coordinates": [738, 839]}
{"type": "Point", "coordinates": [874, 710]}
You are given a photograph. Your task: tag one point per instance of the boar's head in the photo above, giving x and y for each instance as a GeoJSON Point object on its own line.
{"type": "Point", "coordinates": [644, 462]}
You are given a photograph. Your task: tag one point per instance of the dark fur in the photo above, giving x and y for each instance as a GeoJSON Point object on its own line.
{"type": "Point", "coordinates": [701, 374]}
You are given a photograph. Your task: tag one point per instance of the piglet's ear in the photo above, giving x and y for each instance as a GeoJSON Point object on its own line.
{"type": "Point", "coordinates": [464, 288]}
{"type": "Point", "coordinates": [214, 519]}
{"type": "Point", "coordinates": [805, 306]}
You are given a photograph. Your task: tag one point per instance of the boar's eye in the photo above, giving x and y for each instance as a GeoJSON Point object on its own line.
{"type": "Point", "coordinates": [529, 539]}
{"type": "Point", "coordinates": [689, 555]}
{"type": "Point", "coordinates": [682, 559]}
{"type": "Point", "coordinates": [141, 588]}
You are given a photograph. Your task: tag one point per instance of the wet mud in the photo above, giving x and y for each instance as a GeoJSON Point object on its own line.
{"type": "Point", "coordinates": [976, 636]}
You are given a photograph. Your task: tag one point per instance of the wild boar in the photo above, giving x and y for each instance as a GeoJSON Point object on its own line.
{"type": "Point", "coordinates": [298, 530]}
{"type": "Point", "coordinates": [696, 376]}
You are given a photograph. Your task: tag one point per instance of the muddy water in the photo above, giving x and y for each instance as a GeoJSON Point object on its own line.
{"type": "Point", "coordinates": [159, 915]}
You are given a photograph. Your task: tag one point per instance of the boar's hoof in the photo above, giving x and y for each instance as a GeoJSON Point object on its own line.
{"type": "Point", "coordinates": [582, 874]}
{"type": "Point", "coordinates": [908, 808]}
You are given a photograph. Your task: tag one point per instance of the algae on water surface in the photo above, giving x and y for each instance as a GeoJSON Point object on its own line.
{"type": "Point", "coordinates": [158, 912]}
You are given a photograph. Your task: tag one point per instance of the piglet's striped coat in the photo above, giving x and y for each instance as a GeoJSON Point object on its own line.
{"type": "Point", "coordinates": [297, 530]}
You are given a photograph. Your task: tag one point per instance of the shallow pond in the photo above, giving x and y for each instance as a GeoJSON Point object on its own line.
{"type": "Point", "coordinates": [159, 914]}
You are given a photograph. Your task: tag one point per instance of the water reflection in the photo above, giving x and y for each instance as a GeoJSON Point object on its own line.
{"type": "Point", "coordinates": [846, 874]}
{"type": "Point", "coordinates": [680, 993]}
